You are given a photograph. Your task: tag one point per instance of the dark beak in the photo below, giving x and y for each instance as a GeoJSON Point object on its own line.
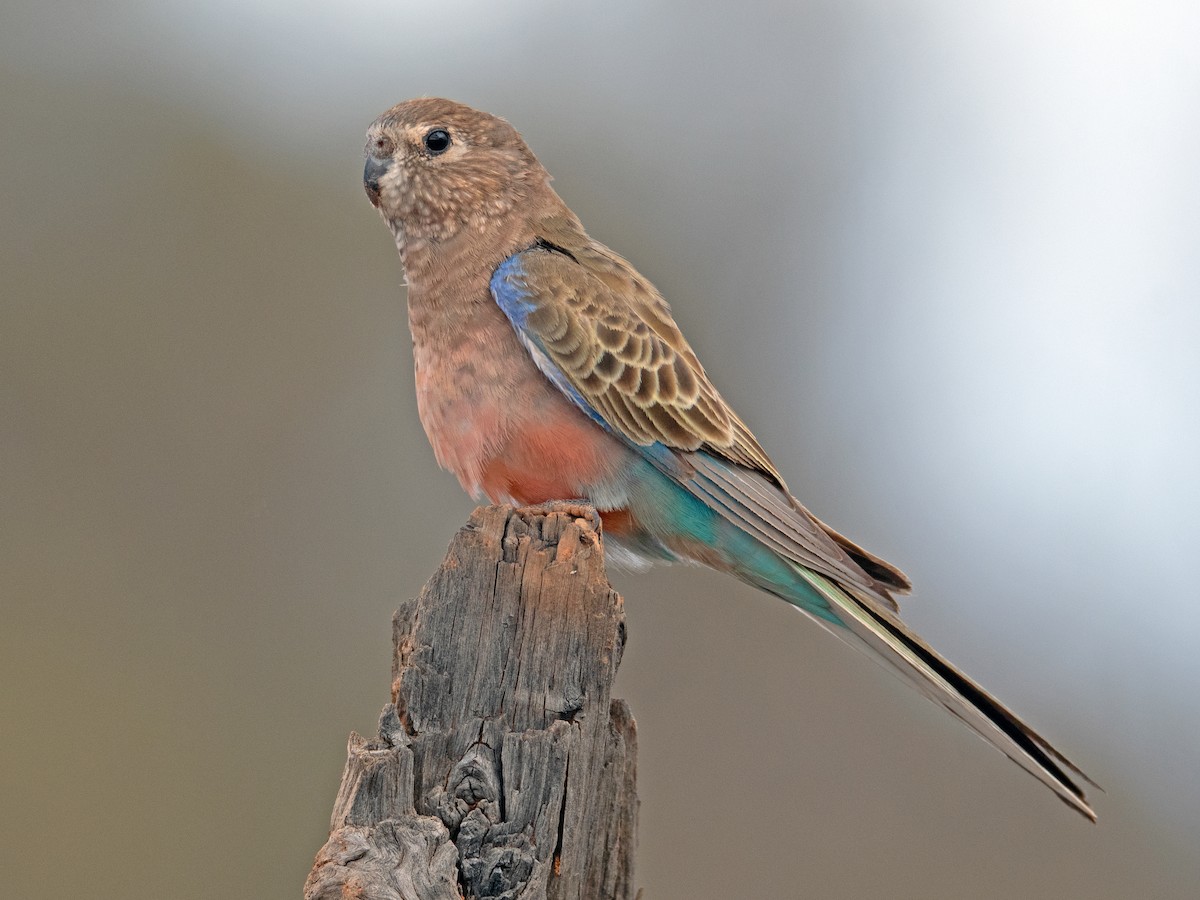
{"type": "Point", "coordinates": [374, 170]}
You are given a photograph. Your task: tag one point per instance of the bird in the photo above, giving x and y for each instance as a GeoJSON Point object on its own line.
{"type": "Point", "coordinates": [549, 370]}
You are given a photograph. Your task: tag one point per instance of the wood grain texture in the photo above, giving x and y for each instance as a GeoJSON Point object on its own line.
{"type": "Point", "coordinates": [503, 769]}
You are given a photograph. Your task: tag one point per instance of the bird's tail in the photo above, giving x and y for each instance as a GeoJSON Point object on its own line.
{"type": "Point", "coordinates": [868, 625]}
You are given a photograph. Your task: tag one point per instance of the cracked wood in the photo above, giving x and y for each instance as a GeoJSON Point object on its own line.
{"type": "Point", "coordinates": [503, 769]}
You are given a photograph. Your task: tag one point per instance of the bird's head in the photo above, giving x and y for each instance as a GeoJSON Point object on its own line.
{"type": "Point", "coordinates": [435, 168]}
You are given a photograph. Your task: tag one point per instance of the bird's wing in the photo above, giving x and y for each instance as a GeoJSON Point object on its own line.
{"type": "Point", "coordinates": [607, 340]}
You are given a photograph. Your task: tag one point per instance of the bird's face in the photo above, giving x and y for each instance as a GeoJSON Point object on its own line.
{"type": "Point", "coordinates": [435, 168]}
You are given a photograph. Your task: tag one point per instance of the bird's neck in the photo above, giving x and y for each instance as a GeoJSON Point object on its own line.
{"type": "Point", "coordinates": [455, 270]}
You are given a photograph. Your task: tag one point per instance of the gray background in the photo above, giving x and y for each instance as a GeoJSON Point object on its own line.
{"type": "Point", "coordinates": [941, 256]}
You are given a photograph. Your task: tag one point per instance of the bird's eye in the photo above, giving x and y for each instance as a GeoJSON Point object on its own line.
{"type": "Point", "coordinates": [437, 141]}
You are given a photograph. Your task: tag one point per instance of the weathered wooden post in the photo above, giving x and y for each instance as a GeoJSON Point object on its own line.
{"type": "Point", "coordinates": [503, 768]}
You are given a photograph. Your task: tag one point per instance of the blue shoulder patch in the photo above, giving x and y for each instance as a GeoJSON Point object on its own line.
{"type": "Point", "coordinates": [511, 291]}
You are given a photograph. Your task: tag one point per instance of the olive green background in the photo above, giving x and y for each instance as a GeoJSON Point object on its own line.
{"type": "Point", "coordinates": [941, 257]}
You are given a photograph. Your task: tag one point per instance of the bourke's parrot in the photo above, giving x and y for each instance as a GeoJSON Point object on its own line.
{"type": "Point", "coordinates": [548, 369]}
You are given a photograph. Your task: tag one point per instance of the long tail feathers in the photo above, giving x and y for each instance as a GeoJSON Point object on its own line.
{"type": "Point", "coordinates": [891, 641]}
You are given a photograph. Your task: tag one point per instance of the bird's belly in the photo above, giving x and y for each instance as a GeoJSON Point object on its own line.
{"type": "Point", "coordinates": [562, 456]}
{"type": "Point", "coordinates": [508, 434]}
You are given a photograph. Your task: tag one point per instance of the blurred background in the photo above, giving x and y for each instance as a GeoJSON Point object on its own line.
{"type": "Point", "coordinates": [942, 257]}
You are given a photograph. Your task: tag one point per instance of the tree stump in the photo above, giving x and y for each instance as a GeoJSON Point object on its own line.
{"type": "Point", "coordinates": [503, 769]}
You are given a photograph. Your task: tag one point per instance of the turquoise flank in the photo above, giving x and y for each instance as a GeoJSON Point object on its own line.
{"type": "Point", "coordinates": [670, 513]}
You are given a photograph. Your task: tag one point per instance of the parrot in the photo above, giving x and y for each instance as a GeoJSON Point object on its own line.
{"type": "Point", "coordinates": [549, 370]}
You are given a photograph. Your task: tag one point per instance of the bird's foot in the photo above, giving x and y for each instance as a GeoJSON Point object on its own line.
{"type": "Point", "coordinates": [578, 509]}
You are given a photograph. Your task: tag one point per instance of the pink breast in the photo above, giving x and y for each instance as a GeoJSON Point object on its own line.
{"type": "Point", "coordinates": [498, 423]}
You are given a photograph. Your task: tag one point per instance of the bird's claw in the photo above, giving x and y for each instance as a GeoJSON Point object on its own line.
{"type": "Point", "coordinates": [578, 509]}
